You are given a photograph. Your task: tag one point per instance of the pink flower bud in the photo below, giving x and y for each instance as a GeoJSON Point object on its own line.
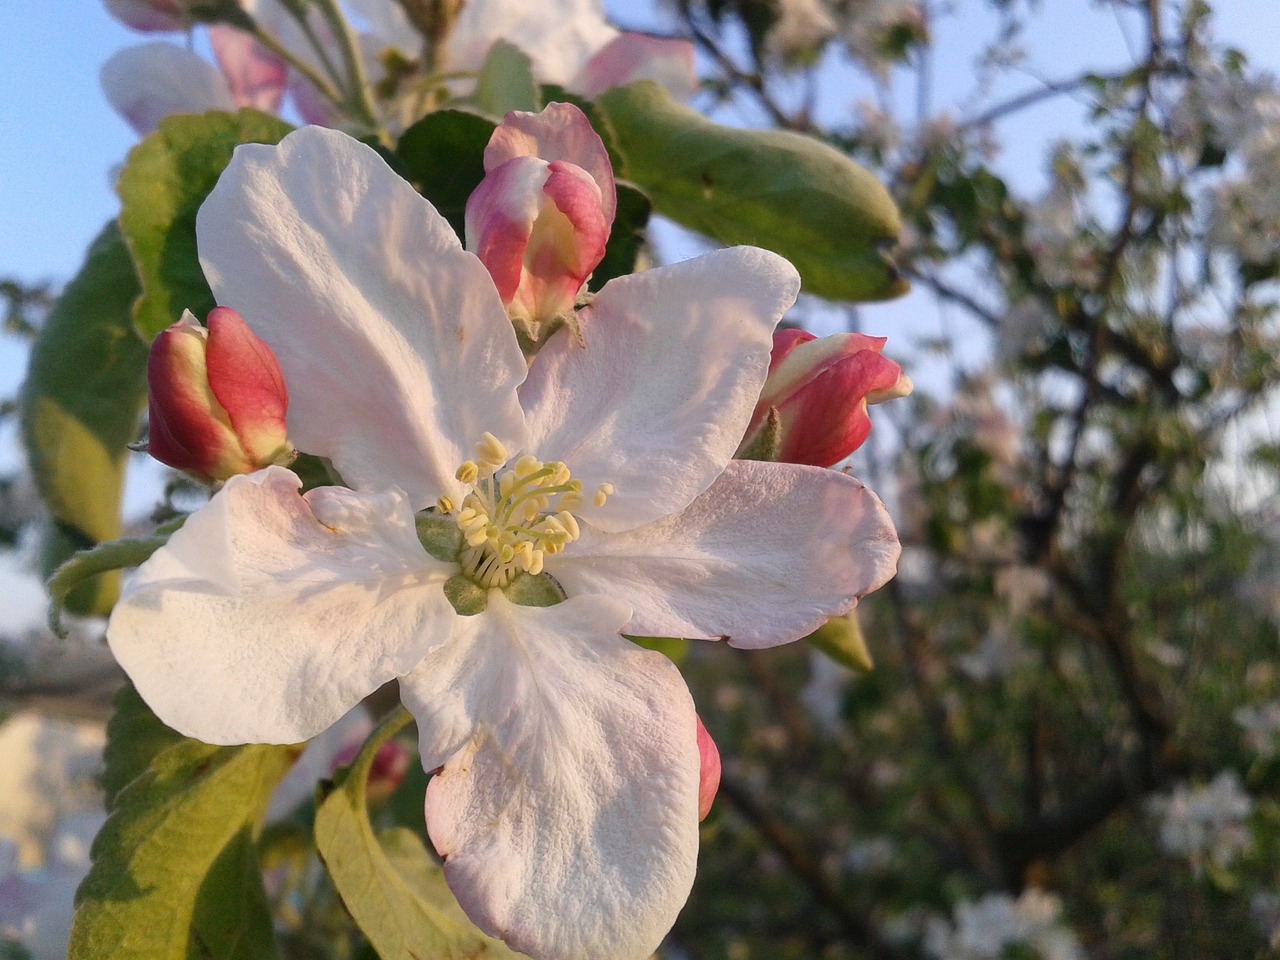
{"type": "Point", "coordinates": [390, 764]}
{"type": "Point", "coordinates": [255, 76]}
{"type": "Point", "coordinates": [540, 219]}
{"type": "Point", "coordinates": [217, 398]}
{"type": "Point", "coordinates": [820, 389]}
{"type": "Point", "coordinates": [708, 770]}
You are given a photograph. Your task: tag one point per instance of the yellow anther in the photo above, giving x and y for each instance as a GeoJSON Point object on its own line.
{"type": "Point", "coordinates": [569, 522]}
{"type": "Point", "coordinates": [490, 451]}
{"type": "Point", "coordinates": [515, 515]}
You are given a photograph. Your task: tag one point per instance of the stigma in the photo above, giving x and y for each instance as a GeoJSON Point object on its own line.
{"type": "Point", "coordinates": [514, 516]}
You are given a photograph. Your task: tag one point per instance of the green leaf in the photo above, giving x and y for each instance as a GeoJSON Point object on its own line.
{"type": "Point", "coordinates": [87, 564]}
{"type": "Point", "coordinates": [791, 194]}
{"type": "Point", "coordinates": [443, 156]}
{"type": "Point", "coordinates": [135, 737]}
{"type": "Point", "coordinates": [506, 82]}
{"type": "Point", "coordinates": [165, 179]}
{"type": "Point", "coordinates": [626, 237]}
{"type": "Point", "coordinates": [83, 395]}
{"type": "Point", "coordinates": [399, 918]}
{"type": "Point", "coordinates": [408, 855]}
{"type": "Point", "coordinates": [175, 872]}
{"type": "Point", "coordinates": [674, 649]}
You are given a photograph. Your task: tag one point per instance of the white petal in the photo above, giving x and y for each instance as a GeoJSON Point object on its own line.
{"type": "Point", "coordinates": [147, 83]}
{"type": "Point", "coordinates": [559, 36]}
{"type": "Point", "coordinates": [566, 809]}
{"type": "Point", "coordinates": [764, 557]}
{"type": "Point", "coordinates": [395, 347]}
{"type": "Point", "coordinates": [658, 400]}
{"type": "Point", "coordinates": [388, 23]}
{"type": "Point", "coordinates": [269, 615]}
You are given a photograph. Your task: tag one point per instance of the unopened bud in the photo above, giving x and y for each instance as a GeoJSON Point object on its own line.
{"type": "Point", "coordinates": [390, 764]}
{"type": "Point", "coordinates": [814, 403]}
{"type": "Point", "coordinates": [217, 399]}
{"type": "Point", "coordinates": [540, 219]}
{"type": "Point", "coordinates": [708, 770]}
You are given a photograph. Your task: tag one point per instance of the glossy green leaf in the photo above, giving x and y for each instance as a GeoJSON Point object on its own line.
{"type": "Point", "coordinates": [443, 157]}
{"type": "Point", "coordinates": [506, 82]}
{"type": "Point", "coordinates": [789, 193]}
{"type": "Point", "coordinates": [81, 402]}
{"type": "Point", "coordinates": [165, 179]}
{"type": "Point", "coordinates": [626, 237]}
{"type": "Point", "coordinates": [175, 872]}
{"type": "Point", "coordinates": [396, 915]}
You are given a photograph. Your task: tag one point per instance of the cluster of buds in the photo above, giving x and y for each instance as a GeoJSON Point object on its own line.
{"type": "Point", "coordinates": [540, 219]}
{"type": "Point", "coordinates": [813, 408]}
{"type": "Point", "coordinates": [217, 399]}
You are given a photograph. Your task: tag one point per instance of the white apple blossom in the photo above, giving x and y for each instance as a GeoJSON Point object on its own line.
{"type": "Point", "coordinates": [565, 802]}
{"type": "Point", "coordinates": [1261, 725]}
{"type": "Point", "coordinates": [985, 929]}
{"type": "Point", "coordinates": [1207, 822]}
{"type": "Point", "coordinates": [568, 41]}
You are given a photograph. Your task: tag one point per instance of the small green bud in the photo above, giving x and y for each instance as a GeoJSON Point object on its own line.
{"type": "Point", "coordinates": [841, 639]}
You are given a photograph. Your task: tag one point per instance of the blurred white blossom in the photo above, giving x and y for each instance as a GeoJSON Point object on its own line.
{"type": "Point", "coordinates": [1261, 725]}
{"type": "Point", "coordinates": [801, 28]}
{"type": "Point", "coordinates": [1205, 823]}
{"type": "Point", "coordinates": [984, 929]}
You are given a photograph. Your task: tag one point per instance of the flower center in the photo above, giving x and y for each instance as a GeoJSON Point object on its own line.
{"type": "Point", "coordinates": [513, 518]}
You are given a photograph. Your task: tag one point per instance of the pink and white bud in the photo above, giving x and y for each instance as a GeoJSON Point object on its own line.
{"type": "Point", "coordinates": [540, 219]}
{"type": "Point", "coordinates": [217, 399]}
{"type": "Point", "coordinates": [819, 390]}
{"type": "Point", "coordinates": [708, 770]}
{"type": "Point", "coordinates": [629, 57]}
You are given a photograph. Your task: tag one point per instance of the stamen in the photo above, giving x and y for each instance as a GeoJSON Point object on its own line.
{"type": "Point", "coordinates": [490, 451]}
{"type": "Point", "coordinates": [512, 519]}
{"type": "Point", "coordinates": [603, 493]}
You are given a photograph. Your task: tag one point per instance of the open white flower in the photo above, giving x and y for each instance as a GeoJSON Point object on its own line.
{"type": "Point", "coordinates": [566, 802]}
